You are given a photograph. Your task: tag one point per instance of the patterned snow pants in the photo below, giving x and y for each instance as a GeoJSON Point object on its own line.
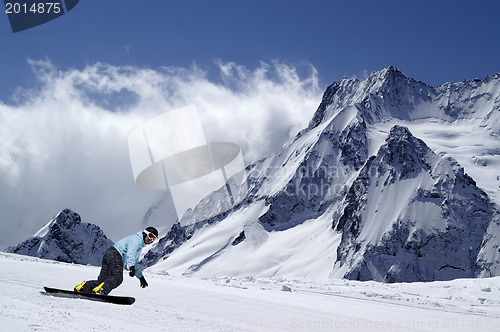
{"type": "Point", "coordinates": [111, 272]}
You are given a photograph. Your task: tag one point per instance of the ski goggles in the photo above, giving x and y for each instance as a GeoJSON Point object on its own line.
{"type": "Point", "coordinates": [150, 235]}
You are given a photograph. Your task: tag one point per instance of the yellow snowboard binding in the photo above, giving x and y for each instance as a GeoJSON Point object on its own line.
{"type": "Point", "coordinates": [98, 290]}
{"type": "Point", "coordinates": [79, 287]}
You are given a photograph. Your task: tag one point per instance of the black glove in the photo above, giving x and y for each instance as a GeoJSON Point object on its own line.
{"type": "Point", "coordinates": [132, 271]}
{"type": "Point", "coordinates": [143, 282]}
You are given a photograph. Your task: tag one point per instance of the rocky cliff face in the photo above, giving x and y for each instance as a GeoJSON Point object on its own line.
{"type": "Point", "coordinates": [411, 216]}
{"type": "Point", "coordinates": [66, 239]}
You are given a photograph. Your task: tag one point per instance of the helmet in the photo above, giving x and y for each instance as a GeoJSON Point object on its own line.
{"type": "Point", "coordinates": [150, 231]}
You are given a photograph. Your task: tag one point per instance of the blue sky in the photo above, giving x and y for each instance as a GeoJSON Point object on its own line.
{"type": "Point", "coordinates": [73, 89]}
{"type": "Point", "coordinates": [432, 41]}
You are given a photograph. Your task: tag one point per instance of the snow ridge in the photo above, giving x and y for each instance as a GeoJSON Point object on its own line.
{"type": "Point", "coordinates": [390, 94]}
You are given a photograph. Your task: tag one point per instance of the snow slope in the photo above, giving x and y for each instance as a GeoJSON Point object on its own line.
{"type": "Point", "coordinates": [173, 303]}
{"type": "Point", "coordinates": [266, 253]}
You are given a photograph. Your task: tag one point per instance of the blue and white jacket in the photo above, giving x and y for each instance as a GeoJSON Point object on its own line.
{"type": "Point", "coordinates": [130, 248]}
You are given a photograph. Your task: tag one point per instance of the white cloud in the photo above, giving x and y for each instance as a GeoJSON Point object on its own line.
{"type": "Point", "coordinates": [65, 143]}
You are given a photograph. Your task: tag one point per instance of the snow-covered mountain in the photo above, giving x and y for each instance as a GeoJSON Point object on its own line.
{"type": "Point", "coordinates": [389, 94]}
{"type": "Point", "coordinates": [411, 215]}
{"type": "Point", "coordinates": [357, 195]}
{"type": "Point", "coordinates": [66, 238]}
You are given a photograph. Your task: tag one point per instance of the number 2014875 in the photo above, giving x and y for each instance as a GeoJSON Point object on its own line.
{"type": "Point", "coordinates": [35, 8]}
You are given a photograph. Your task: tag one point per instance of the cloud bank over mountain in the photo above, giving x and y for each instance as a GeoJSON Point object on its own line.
{"type": "Point", "coordinates": [63, 143]}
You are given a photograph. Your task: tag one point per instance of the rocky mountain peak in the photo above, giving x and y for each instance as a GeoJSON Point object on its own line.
{"type": "Point", "coordinates": [67, 218]}
{"type": "Point", "coordinates": [405, 203]}
{"type": "Point", "coordinates": [66, 238]}
{"type": "Point", "coordinates": [404, 153]}
{"type": "Point", "coordinates": [389, 74]}
{"type": "Point", "coordinates": [383, 94]}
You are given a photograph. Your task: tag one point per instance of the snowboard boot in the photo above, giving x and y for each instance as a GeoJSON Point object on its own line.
{"type": "Point", "coordinates": [78, 289]}
{"type": "Point", "coordinates": [98, 290]}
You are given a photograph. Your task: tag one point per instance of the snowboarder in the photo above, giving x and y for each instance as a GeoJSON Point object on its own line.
{"type": "Point", "coordinates": [124, 252]}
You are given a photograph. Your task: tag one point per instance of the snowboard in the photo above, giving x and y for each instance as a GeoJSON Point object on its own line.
{"type": "Point", "coordinates": [94, 297]}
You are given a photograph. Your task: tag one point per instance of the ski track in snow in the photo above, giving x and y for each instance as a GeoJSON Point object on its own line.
{"type": "Point", "coordinates": [173, 303]}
